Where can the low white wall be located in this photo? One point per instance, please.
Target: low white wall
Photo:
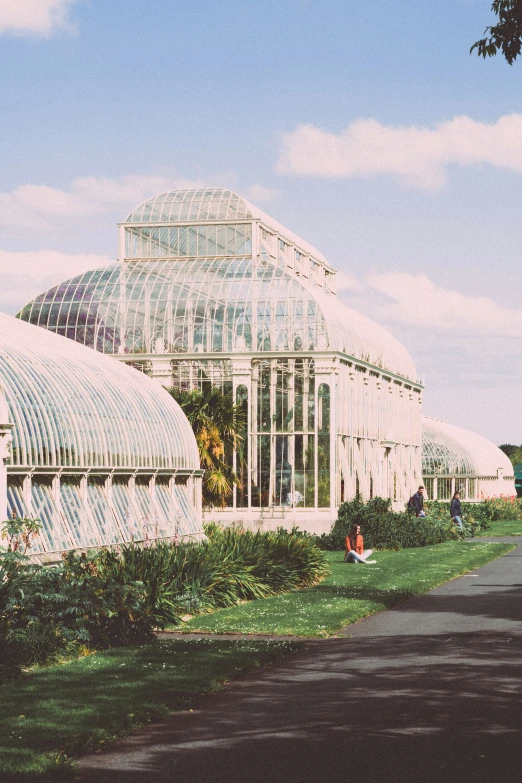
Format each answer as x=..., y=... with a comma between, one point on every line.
x=311, y=521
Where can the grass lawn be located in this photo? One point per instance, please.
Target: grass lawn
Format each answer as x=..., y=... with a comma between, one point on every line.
x=352, y=591
x=503, y=527
x=70, y=708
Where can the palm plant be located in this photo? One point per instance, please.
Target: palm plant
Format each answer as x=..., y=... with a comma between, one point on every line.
x=218, y=425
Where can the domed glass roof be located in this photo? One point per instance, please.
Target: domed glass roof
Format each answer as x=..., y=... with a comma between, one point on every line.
x=210, y=305
x=451, y=450
x=194, y=205
x=73, y=407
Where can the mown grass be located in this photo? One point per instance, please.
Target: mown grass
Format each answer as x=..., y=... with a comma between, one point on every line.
x=351, y=592
x=502, y=527
x=57, y=712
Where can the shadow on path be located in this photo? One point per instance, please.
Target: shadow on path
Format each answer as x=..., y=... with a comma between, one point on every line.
x=402, y=699
x=411, y=708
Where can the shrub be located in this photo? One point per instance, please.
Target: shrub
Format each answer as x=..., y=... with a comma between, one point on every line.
x=384, y=528
x=113, y=598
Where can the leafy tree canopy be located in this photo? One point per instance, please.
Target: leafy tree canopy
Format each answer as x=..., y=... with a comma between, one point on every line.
x=506, y=35
x=513, y=452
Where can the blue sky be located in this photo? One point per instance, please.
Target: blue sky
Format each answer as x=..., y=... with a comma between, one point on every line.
x=338, y=118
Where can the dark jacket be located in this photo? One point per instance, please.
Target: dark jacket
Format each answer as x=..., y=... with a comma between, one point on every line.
x=418, y=499
x=455, y=508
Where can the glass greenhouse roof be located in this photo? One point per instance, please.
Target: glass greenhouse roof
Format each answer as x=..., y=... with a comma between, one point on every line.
x=73, y=407
x=451, y=450
x=197, y=205
x=201, y=205
x=210, y=305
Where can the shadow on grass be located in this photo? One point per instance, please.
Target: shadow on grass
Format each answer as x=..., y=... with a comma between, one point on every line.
x=81, y=705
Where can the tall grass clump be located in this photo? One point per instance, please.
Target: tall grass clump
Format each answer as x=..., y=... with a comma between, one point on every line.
x=231, y=566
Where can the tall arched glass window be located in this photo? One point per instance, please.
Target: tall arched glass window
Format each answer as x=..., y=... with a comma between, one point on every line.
x=242, y=450
x=323, y=446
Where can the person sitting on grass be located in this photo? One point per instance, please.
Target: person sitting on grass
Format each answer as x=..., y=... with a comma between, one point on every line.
x=355, y=552
x=456, y=510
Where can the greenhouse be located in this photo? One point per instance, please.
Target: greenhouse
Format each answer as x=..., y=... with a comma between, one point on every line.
x=95, y=450
x=210, y=290
x=457, y=460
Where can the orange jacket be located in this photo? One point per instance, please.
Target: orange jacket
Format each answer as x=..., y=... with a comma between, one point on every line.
x=355, y=544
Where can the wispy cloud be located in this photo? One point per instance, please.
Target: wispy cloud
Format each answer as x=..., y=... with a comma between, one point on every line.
x=413, y=300
x=40, y=206
x=416, y=156
x=35, y=17
x=26, y=274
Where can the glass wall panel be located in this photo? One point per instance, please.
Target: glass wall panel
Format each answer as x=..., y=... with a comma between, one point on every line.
x=55, y=534
x=129, y=517
x=16, y=506
x=101, y=510
x=283, y=471
x=444, y=488
x=76, y=513
x=304, y=484
x=323, y=447
x=460, y=486
x=242, y=451
x=261, y=473
x=429, y=486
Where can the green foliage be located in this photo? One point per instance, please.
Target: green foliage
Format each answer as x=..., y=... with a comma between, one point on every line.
x=218, y=425
x=506, y=35
x=383, y=528
x=57, y=713
x=116, y=598
x=513, y=452
x=20, y=532
x=351, y=592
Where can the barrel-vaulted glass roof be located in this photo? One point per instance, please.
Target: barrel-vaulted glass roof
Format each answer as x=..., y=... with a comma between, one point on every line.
x=210, y=305
x=450, y=450
x=73, y=407
x=194, y=205
x=202, y=205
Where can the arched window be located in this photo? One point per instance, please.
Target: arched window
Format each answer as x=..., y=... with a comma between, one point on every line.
x=323, y=446
x=242, y=450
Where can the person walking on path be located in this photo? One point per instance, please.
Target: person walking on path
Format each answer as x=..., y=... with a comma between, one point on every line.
x=355, y=552
x=418, y=502
x=456, y=510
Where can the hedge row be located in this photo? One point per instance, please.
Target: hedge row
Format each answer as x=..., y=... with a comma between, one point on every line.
x=384, y=528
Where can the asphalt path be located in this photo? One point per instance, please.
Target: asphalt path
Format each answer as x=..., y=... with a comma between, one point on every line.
x=428, y=691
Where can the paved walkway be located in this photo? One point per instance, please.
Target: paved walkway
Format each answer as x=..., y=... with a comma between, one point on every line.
x=428, y=691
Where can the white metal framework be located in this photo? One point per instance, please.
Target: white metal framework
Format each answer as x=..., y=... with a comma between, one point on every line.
x=209, y=289
x=96, y=450
x=457, y=460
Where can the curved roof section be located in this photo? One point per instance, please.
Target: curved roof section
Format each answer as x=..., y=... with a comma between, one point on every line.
x=210, y=306
x=73, y=407
x=210, y=204
x=447, y=449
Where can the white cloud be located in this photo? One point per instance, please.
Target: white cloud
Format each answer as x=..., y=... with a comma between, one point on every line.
x=39, y=206
x=416, y=156
x=259, y=194
x=34, y=17
x=24, y=275
x=414, y=300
